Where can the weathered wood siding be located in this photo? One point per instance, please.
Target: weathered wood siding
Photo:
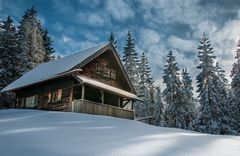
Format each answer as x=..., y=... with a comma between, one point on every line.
x=42, y=91
x=106, y=60
x=89, y=107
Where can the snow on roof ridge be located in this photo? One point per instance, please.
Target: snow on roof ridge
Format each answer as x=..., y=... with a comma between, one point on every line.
x=50, y=69
x=73, y=53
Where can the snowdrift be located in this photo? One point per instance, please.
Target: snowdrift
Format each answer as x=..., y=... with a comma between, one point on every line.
x=38, y=133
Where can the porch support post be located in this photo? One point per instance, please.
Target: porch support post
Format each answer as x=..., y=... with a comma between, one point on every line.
x=71, y=94
x=132, y=104
x=119, y=99
x=16, y=101
x=102, y=96
x=71, y=107
x=83, y=92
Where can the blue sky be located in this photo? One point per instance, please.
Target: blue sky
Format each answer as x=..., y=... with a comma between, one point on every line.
x=157, y=25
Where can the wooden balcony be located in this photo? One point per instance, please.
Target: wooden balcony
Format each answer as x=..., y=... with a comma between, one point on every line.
x=90, y=107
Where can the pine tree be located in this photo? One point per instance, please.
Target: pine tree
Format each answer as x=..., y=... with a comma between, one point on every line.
x=235, y=87
x=48, y=46
x=131, y=62
x=173, y=94
x=112, y=39
x=30, y=40
x=235, y=102
x=212, y=117
x=146, y=87
x=158, y=108
x=190, y=107
x=222, y=84
x=9, y=52
x=1, y=26
x=236, y=65
x=1, y=36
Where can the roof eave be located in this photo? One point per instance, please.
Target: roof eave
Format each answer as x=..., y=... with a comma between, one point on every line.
x=71, y=72
x=82, y=81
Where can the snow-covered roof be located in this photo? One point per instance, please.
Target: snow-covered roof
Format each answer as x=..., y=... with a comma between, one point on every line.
x=52, y=69
x=100, y=85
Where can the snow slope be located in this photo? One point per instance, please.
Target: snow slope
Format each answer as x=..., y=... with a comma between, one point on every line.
x=37, y=133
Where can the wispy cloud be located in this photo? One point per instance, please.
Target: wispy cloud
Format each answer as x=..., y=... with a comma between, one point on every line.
x=95, y=20
x=63, y=7
x=57, y=27
x=175, y=11
x=119, y=9
x=66, y=39
x=91, y=36
x=1, y=6
x=181, y=44
x=91, y=19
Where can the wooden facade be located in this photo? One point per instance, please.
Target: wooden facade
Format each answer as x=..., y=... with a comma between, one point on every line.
x=106, y=69
x=66, y=93
x=46, y=94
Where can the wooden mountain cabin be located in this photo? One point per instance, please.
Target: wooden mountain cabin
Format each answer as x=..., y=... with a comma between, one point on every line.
x=91, y=81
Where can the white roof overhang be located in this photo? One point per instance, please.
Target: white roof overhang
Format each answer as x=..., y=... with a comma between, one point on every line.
x=105, y=87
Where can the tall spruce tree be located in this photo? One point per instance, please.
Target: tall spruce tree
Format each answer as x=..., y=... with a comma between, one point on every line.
x=146, y=87
x=131, y=62
x=48, y=46
x=188, y=99
x=175, y=109
x=158, y=113
x=222, y=85
x=235, y=87
x=212, y=118
x=236, y=65
x=9, y=53
x=30, y=40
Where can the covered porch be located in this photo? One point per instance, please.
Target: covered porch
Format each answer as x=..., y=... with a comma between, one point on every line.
x=93, y=97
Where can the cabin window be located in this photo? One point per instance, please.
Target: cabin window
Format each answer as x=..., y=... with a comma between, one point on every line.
x=31, y=101
x=21, y=102
x=107, y=72
x=66, y=92
x=99, y=68
x=49, y=97
x=57, y=95
x=113, y=74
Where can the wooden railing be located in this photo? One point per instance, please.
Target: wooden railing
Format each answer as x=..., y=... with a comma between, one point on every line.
x=90, y=107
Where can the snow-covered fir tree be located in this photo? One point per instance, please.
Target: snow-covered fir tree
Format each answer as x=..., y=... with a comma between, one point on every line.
x=235, y=89
x=146, y=87
x=188, y=99
x=173, y=95
x=30, y=40
x=226, y=99
x=9, y=53
x=48, y=46
x=131, y=62
x=236, y=64
x=222, y=85
x=213, y=117
x=158, y=113
x=1, y=26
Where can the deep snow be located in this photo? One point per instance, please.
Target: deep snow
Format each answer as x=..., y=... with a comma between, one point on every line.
x=38, y=133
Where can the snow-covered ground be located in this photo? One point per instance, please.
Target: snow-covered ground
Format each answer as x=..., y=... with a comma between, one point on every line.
x=38, y=133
